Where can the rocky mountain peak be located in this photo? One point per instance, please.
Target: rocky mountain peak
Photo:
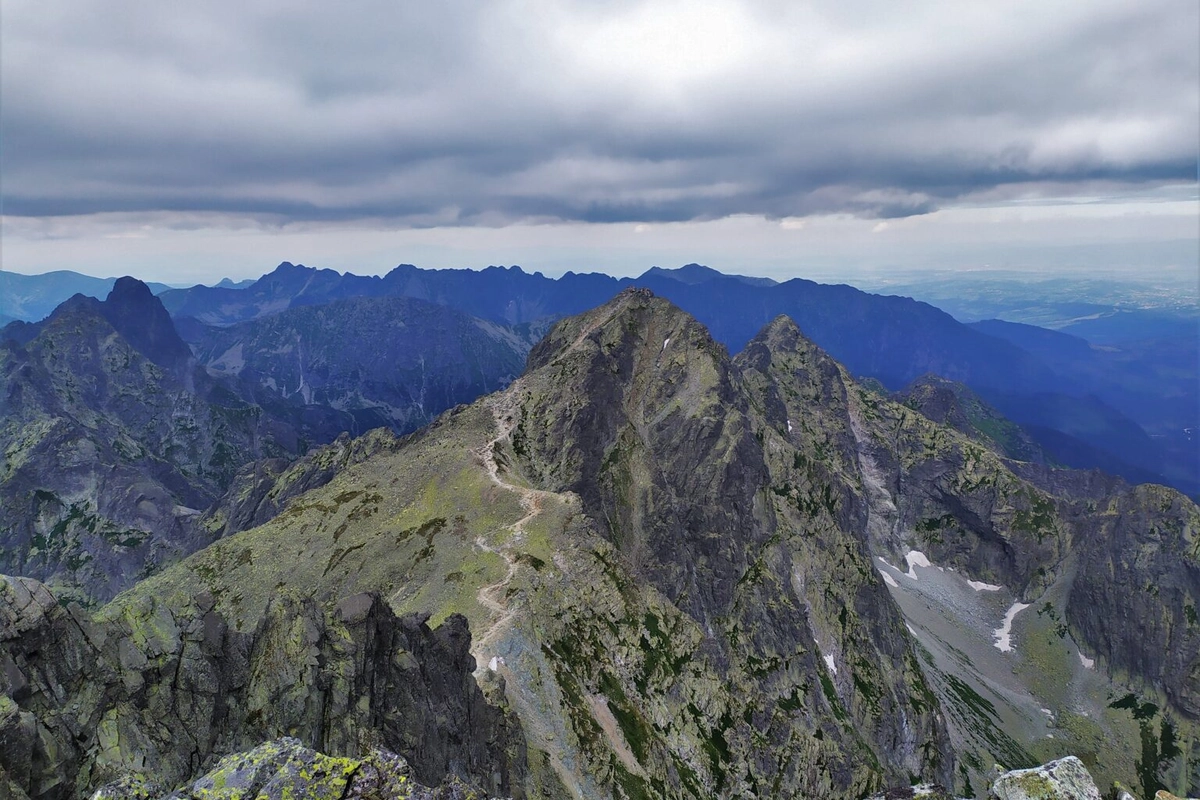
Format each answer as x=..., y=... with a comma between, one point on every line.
x=812, y=378
x=782, y=325
x=129, y=290
x=636, y=321
x=782, y=338
x=134, y=312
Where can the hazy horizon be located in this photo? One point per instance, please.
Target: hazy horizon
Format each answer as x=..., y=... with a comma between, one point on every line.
x=878, y=280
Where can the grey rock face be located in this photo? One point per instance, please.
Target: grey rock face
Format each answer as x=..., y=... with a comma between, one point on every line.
x=1141, y=563
x=164, y=687
x=651, y=423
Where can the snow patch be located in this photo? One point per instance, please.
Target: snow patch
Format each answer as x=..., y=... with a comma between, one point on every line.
x=980, y=586
x=1003, y=634
x=1047, y=712
x=666, y=342
x=829, y=663
x=789, y=426
x=889, y=580
x=495, y=664
x=1088, y=663
x=916, y=559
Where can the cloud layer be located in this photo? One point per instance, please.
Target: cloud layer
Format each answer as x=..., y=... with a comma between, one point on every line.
x=451, y=113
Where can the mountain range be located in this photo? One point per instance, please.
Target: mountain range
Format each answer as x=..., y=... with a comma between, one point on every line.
x=1130, y=408
x=1126, y=402
x=643, y=568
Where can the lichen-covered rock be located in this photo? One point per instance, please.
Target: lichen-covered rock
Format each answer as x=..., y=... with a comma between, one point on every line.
x=1064, y=779
x=284, y=769
x=129, y=787
x=160, y=686
x=276, y=770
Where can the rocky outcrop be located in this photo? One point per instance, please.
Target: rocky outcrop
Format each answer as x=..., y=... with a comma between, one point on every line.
x=163, y=686
x=637, y=410
x=1141, y=561
x=1065, y=779
x=284, y=768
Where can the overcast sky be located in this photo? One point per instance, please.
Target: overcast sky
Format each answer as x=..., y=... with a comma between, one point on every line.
x=182, y=142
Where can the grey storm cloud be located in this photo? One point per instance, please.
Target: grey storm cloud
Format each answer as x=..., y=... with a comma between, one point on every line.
x=488, y=113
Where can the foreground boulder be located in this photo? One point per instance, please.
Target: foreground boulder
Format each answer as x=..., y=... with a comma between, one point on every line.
x=284, y=768
x=1064, y=779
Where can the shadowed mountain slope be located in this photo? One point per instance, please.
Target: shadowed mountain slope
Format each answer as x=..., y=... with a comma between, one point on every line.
x=366, y=362
x=954, y=404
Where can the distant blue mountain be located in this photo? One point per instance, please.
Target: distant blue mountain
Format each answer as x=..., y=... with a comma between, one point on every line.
x=33, y=297
x=229, y=283
x=894, y=339
x=693, y=274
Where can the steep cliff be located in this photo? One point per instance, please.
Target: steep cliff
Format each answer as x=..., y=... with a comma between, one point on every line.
x=968, y=541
